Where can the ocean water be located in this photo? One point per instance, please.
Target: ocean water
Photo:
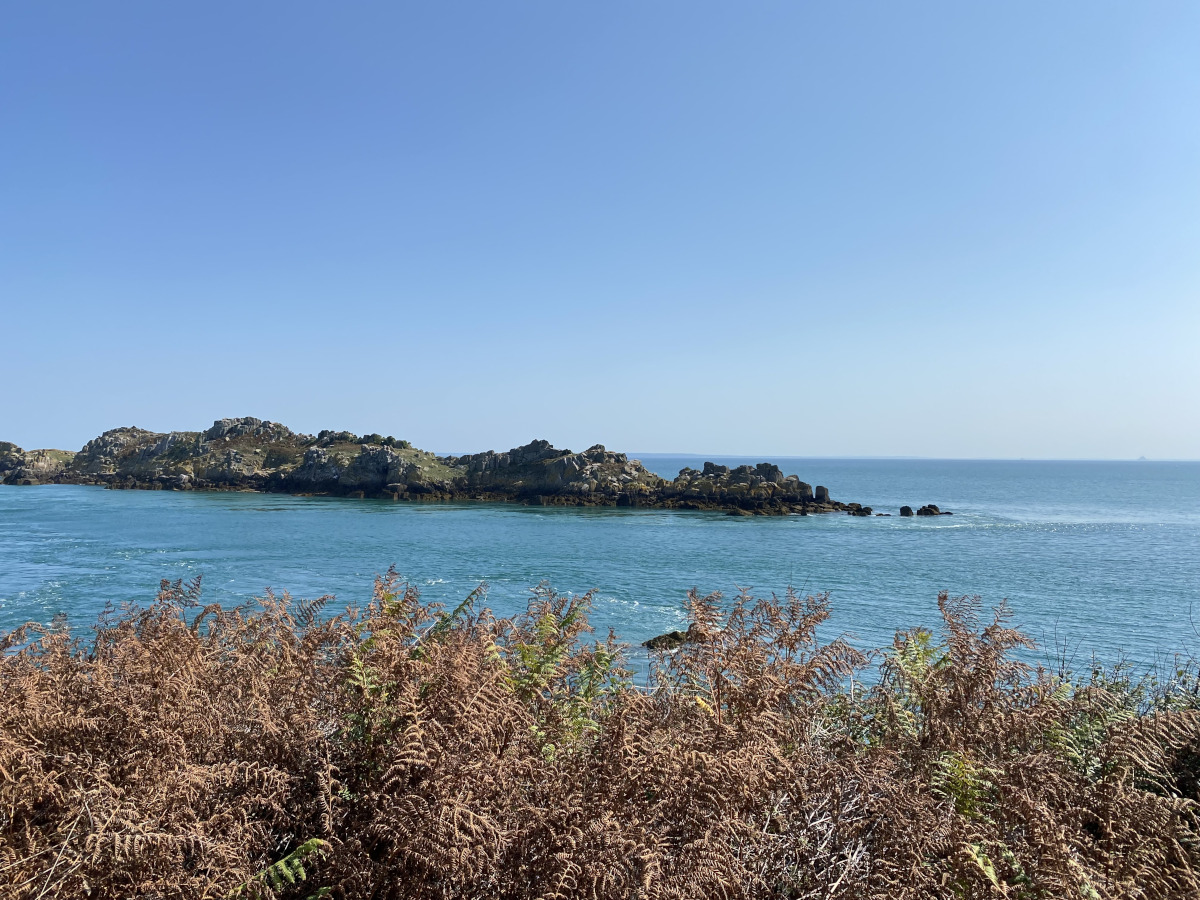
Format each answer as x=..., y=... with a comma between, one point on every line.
x=1092, y=557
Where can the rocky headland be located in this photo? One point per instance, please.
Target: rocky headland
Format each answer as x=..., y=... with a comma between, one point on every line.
x=249, y=454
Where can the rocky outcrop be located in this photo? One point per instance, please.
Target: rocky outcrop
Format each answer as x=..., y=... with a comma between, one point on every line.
x=930, y=509
x=673, y=640
x=226, y=429
x=747, y=490
x=539, y=470
x=19, y=466
x=253, y=454
x=669, y=641
x=12, y=458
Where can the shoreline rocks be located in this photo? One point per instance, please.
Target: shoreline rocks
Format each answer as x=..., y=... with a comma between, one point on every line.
x=249, y=454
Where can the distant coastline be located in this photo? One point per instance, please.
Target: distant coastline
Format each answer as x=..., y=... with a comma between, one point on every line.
x=249, y=454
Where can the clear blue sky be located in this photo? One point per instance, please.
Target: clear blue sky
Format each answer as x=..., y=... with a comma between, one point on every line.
x=794, y=228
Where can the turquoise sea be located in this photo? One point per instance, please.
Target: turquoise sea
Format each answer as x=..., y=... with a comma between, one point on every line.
x=1099, y=557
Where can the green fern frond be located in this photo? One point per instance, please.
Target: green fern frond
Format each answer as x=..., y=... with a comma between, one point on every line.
x=286, y=871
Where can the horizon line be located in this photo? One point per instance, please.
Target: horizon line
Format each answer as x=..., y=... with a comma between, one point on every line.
x=921, y=458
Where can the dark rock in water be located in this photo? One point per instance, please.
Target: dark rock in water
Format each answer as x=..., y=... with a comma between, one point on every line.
x=822, y=494
x=673, y=640
x=906, y=511
x=931, y=509
x=668, y=641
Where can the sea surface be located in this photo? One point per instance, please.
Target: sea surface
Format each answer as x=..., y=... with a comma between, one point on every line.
x=1093, y=557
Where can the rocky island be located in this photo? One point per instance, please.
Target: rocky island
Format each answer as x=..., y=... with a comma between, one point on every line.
x=249, y=454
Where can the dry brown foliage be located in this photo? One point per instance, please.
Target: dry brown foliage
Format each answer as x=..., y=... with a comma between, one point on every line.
x=404, y=751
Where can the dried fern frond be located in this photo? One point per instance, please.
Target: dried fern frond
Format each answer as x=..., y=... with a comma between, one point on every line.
x=403, y=750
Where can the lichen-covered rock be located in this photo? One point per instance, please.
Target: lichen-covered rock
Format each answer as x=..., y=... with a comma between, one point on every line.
x=12, y=458
x=46, y=465
x=537, y=469
x=245, y=426
x=19, y=466
x=762, y=488
x=103, y=455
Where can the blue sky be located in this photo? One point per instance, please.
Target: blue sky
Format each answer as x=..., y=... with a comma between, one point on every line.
x=939, y=229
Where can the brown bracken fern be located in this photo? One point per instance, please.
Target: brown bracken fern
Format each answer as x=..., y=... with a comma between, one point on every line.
x=403, y=750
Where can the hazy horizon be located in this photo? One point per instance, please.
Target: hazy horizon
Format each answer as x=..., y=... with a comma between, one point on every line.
x=929, y=231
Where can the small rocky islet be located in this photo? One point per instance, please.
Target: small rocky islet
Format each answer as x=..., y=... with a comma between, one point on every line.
x=249, y=454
